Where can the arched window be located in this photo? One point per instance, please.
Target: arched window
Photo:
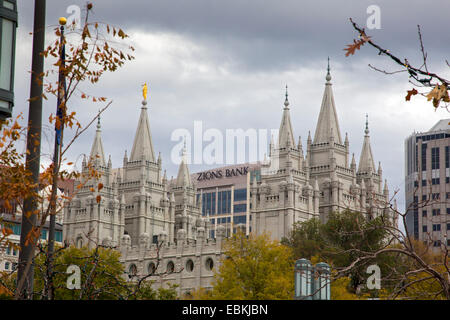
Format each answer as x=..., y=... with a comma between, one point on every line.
x=189, y=265
x=170, y=267
x=133, y=270
x=209, y=264
x=151, y=268
x=7, y=266
x=79, y=242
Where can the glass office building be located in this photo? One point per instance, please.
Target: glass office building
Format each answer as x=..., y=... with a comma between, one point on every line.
x=225, y=196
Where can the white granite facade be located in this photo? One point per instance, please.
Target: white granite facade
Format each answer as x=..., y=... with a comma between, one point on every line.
x=139, y=207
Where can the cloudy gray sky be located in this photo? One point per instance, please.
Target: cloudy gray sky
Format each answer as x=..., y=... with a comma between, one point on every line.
x=226, y=63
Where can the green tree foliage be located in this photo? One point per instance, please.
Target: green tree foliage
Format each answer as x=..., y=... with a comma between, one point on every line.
x=102, y=277
x=254, y=268
x=340, y=241
x=306, y=240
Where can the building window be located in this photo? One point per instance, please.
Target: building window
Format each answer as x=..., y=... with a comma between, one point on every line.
x=416, y=223
x=434, y=158
x=151, y=268
x=448, y=210
x=448, y=226
x=435, y=181
x=170, y=267
x=437, y=243
x=224, y=202
x=240, y=207
x=436, y=212
x=425, y=228
x=58, y=236
x=132, y=270
x=435, y=196
x=240, y=195
x=209, y=264
x=79, y=242
x=447, y=157
x=424, y=198
x=189, y=265
x=6, y=265
x=424, y=213
x=424, y=183
x=424, y=157
x=436, y=227
x=209, y=203
x=224, y=220
x=240, y=219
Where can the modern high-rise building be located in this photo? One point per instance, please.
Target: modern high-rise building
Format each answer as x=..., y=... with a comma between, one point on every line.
x=427, y=184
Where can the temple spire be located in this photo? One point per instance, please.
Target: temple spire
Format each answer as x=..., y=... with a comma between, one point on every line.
x=366, y=162
x=143, y=145
x=367, y=125
x=286, y=101
x=328, y=77
x=328, y=119
x=286, y=133
x=97, y=154
x=184, y=177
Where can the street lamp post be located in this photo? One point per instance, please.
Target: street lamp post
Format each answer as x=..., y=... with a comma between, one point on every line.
x=8, y=25
x=312, y=282
x=321, y=282
x=303, y=272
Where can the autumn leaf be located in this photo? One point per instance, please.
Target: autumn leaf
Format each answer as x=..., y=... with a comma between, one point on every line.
x=356, y=45
x=412, y=92
x=438, y=93
x=121, y=34
x=98, y=198
x=100, y=186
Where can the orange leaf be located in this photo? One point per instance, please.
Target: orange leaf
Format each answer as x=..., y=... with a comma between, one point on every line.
x=412, y=92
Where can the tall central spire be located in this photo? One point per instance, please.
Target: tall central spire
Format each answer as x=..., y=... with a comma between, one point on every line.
x=286, y=134
x=328, y=120
x=143, y=145
x=97, y=153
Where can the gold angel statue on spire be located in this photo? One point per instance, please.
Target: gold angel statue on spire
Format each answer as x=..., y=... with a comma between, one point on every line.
x=144, y=91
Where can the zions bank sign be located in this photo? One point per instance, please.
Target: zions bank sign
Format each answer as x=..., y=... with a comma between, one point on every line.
x=222, y=173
